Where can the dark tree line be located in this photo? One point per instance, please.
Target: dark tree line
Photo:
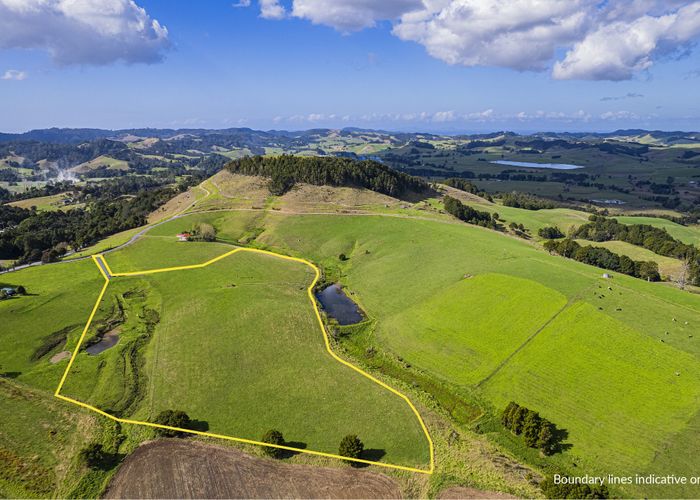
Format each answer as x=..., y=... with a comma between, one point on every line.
x=467, y=186
x=468, y=214
x=526, y=201
x=536, y=431
x=286, y=170
x=604, y=258
x=652, y=238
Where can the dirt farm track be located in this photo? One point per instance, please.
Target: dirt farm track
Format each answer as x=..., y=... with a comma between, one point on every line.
x=175, y=468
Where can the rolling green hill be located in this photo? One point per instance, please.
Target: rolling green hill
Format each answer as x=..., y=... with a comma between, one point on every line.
x=456, y=314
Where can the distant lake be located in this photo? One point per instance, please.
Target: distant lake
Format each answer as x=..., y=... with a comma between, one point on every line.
x=339, y=306
x=527, y=164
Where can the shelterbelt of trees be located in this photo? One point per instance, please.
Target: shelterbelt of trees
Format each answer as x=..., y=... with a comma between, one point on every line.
x=470, y=215
x=652, y=238
x=604, y=258
x=29, y=236
x=286, y=170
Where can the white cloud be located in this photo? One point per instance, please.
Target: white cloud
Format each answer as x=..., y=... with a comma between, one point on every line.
x=14, y=74
x=242, y=3
x=603, y=40
x=618, y=50
x=519, y=34
x=444, y=116
x=83, y=31
x=272, y=9
x=619, y=115
x=352, y=15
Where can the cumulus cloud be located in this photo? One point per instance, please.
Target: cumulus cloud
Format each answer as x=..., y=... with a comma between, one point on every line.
x=83, y=31
x=272, y=9
x=14, y=74
x=602, y=40
x=353, y=15
x=618, y=50
x=519, y=34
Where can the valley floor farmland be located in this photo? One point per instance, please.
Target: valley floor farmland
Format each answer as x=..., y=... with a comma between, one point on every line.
x=237, y=346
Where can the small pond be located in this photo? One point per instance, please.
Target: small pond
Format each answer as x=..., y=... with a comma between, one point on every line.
x=109, y=340
x=527, y=164
x=339, y=306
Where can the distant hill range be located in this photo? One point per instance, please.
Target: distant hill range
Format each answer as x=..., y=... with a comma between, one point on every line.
x=79, y=135
x=638, y=168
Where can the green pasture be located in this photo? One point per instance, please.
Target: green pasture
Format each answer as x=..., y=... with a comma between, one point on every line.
x=237, y=346
x=106, y=244
x=486, y=313
x=470, y=327
x=153, y=252
x=60, y=298
x=619, y=395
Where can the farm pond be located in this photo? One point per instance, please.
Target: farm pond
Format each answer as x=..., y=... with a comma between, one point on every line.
x=528, y=164
x=108, y=340
x=339, y=306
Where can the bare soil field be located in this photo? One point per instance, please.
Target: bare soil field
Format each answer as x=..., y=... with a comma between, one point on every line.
x=461, y=492
x=176, y=468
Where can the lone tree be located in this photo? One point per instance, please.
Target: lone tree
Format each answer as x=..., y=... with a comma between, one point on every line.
x=273, y=437
x=351, y=446
x=172, y=418
x=21, y=290
x=93, y=455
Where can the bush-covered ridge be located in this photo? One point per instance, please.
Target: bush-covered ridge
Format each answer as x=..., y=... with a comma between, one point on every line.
x=286, y=170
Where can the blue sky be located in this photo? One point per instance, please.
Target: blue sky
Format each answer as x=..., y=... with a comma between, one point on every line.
x=308, y=65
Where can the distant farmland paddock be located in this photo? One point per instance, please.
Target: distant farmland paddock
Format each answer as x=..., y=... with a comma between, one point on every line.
x=237, y=346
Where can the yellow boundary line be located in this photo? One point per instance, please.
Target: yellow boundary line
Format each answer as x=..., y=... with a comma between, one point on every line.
x=100, y=261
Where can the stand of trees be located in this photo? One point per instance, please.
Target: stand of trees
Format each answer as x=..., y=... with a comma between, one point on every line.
x=467, y=214
x=286, y=170
x=537, y=432
x=46, y=235
x=462, y=185
x=604, y=258
x=202, y=231
x=526, y=201
x=550, y=233
x=652, y=238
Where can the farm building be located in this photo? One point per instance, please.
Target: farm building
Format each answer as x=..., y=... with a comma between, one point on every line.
x=183, y=236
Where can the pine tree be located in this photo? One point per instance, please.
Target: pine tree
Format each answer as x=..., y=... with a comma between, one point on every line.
x=531, y=428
